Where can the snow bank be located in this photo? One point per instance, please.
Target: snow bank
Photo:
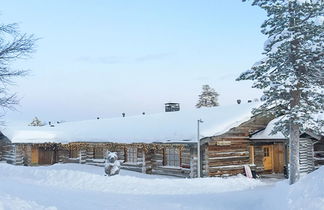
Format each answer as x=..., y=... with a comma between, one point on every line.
x=308, y=193
x=8, y=202
x=162, y=127
x=123, y=184
x=76, y=186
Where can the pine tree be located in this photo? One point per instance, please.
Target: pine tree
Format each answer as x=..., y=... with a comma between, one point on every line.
x=291, y=74
x=36, y=122
x=208, y=97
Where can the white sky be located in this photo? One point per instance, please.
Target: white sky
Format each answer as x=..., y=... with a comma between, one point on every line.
x=102, y=58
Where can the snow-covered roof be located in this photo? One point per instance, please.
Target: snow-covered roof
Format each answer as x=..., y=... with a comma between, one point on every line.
x=266, y=133
x=162, y=127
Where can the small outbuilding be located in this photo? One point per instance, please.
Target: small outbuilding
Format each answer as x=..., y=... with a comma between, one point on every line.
x=271, y=150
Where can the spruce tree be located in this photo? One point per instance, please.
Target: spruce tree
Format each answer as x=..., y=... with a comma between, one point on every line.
x=208, y=97
x=291, y=73
x=36, y=122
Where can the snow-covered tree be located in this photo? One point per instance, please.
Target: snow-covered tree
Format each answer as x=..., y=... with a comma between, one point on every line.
x=291, y=74
x=208, y=97
x=36, y=122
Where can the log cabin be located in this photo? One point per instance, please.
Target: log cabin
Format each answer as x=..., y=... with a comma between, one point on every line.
x=164, y=143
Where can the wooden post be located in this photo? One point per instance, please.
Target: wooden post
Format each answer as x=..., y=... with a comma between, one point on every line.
x=198, y=148
x=143, y=162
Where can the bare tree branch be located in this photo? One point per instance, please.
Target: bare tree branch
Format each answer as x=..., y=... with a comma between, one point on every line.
x=14, y=45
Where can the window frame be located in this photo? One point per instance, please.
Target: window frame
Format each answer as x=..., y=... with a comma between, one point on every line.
x=131, y=155
x=172, y=157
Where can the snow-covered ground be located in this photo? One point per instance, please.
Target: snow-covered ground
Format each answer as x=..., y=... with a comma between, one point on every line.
x=75, y=186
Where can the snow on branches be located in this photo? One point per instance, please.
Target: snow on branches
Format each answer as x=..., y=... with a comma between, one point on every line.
x=291, y=74
x=208, y=97
x=293, y=62
x=36, y=122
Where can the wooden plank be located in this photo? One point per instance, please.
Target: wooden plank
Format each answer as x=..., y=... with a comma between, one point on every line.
x=225, y=172
x=252, y=154
x=214, y=154
x=216, y=163
x=276, y=164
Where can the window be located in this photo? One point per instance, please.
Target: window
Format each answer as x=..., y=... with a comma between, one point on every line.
x=266, y=152
x=172, y=157
x=185, y=159
x=98, y=153
x=131, y=155
x=74, y=153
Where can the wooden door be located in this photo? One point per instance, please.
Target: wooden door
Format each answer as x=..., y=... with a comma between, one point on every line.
x=34, y=155
x=267, y=157
x=46, y=157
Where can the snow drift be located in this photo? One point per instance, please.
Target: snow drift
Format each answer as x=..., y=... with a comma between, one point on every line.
x=75, y=186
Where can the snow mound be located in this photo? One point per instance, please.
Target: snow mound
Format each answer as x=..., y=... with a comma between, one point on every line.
x=8, y=202
x=123, y=184
x=76, y=186
x=308, y=193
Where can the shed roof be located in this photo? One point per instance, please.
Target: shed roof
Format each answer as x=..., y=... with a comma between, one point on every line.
x=266, y=133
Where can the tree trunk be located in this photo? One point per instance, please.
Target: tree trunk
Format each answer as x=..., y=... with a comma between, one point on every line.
x=294, y=153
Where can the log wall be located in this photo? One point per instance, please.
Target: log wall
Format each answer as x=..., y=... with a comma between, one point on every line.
x=306, y=155
x=227, y=154
x=13, y=155
x=188, y=164
x=319, y=153
x=149, y=160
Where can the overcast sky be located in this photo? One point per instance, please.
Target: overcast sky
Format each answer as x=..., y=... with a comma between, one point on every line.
x=104, y=57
